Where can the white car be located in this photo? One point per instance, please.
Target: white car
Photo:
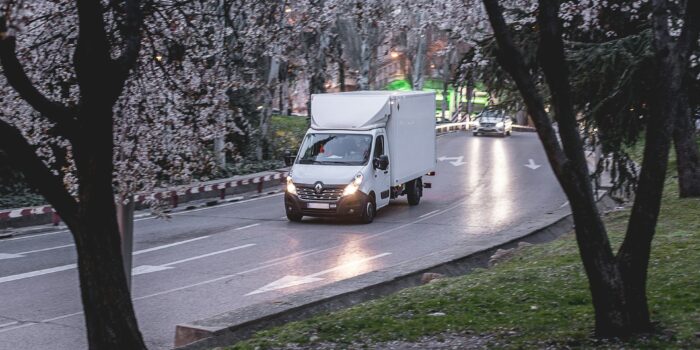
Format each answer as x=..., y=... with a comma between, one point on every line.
x=492, y=122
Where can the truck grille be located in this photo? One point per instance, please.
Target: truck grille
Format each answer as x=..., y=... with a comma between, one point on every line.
x=329, y=193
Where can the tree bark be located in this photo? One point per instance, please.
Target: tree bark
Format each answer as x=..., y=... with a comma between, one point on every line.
x=109, y=315
x=616, y=311
x=687, y=154
x=671, y=61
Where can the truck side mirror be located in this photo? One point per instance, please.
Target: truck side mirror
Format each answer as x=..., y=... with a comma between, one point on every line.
x=381, y=162
x=288, y=157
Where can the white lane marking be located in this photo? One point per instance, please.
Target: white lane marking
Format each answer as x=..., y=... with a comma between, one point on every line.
x=34, y=236
x=565, y=204
x=531, y=164
x=153, y=217
x=36, y=273
x=456, y=161
x=209, y=254
x=143, y=269
x=5, y=256
x=167, y=245
x=47, y=249
x=432, y=212
x=245, y=227
x=72, y=266
x=269, y=263
x=283, y=260
x=8, y=324
x=289, y=281
x=262, y=267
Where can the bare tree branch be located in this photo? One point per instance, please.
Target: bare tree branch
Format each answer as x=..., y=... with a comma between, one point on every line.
x=512, y=61
x=132, y=38
x=691, y=29
x=37, y=173
x=18, y=79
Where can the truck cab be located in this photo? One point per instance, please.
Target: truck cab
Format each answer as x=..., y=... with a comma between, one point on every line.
x=351, y=164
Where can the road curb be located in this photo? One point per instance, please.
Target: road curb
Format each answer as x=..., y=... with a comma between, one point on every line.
x=228, y=328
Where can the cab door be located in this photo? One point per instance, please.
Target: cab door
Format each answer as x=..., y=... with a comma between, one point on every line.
x=382, y=180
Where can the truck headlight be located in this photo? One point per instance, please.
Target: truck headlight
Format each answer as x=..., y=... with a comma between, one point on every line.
x=499, y=124
x=291, y=189
x=354, y=185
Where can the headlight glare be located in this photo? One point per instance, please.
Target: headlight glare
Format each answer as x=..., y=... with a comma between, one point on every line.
x=350, y=189
x=499, y=124
x=291, y=189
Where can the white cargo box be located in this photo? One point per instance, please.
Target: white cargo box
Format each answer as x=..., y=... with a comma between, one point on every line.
x=408, y=116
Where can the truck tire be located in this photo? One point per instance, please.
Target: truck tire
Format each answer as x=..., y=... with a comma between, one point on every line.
x=294, y=217
x=369, y=211
x=414, y=190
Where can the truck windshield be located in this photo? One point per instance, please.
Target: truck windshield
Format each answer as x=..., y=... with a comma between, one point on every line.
x=335, y=149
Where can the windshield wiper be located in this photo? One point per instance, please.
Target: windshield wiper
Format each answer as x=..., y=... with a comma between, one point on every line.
x=309, y=161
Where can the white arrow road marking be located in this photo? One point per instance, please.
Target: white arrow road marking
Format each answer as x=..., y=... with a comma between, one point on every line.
x=36, y=273
x=72, y=266
x=456, y=161
x=4, y=256
x=143, y=269
x=290, y=281
x=531, y=164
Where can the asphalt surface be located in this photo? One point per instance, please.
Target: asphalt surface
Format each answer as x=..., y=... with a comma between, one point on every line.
x=203, y=262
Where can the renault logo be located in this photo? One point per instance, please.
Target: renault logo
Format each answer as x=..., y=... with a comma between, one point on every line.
x=318, y=187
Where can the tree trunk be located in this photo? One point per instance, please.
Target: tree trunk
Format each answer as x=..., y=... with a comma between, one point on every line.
x=109, y=313
x=687, y=154
x=617, y=285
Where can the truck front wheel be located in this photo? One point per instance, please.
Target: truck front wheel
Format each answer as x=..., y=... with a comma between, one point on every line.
x=294, y=217
x=414, y=190
x=369, y=211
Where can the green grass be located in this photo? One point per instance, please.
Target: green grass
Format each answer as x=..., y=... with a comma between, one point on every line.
x=538, y=298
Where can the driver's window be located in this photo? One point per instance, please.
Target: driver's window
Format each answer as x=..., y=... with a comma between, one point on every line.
x=379, y=146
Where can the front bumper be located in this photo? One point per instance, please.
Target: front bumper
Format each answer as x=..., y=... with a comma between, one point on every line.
x=494, y=130
x=345, y=206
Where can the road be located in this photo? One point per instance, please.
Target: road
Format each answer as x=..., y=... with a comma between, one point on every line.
x=207, y=261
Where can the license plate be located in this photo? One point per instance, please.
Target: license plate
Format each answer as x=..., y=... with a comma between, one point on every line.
x=318, y=206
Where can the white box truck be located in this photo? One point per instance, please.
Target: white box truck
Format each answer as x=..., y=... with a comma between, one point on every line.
x=363, y=149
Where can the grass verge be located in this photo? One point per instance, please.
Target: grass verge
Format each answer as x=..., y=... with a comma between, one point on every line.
x=538, y=298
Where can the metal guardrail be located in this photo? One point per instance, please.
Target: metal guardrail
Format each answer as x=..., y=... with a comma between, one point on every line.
x=172, y=194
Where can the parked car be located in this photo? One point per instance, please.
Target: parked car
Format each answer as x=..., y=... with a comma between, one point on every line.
x=492, y=122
